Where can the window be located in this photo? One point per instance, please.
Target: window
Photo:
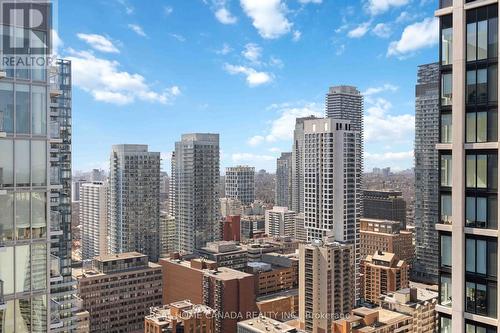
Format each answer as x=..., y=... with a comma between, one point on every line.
x=481, y=256
x=446, y=173
x=481, y=171
x=38, y=110
x=444, y=325
x=480, y=298
x=478, y=328
x=471, y=87
x=23, y=274
x=23, y=215
x=39, y=214
x=6, y=163
x=482, y=33
x=446, y=129
x=446, y=43
x=6, y=217
x=446, y=89
x=6, y=108
x=39, y=266
x=7, y=271
x=481, y=211
x=22, y=153
x=446, y=208
x=38, y=162
x=446, y=251
x=445, y=290
x=493, y=83
x=22, y=109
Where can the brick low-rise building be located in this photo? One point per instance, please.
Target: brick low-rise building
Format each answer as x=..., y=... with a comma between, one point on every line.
x=386, y=236
x=180, y=317
x=229, y=292
x=383, y=273
x=365, y=320
x=119, y=290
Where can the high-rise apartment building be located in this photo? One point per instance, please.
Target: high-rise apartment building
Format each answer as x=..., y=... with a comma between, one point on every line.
x=280, y=221
x=134, y=200
x=468, y=184
x=346, y=103
x=240, y=184
x=284, y=181
x=195, y=175
x=427, y=122
x=298, y=165
x=332, y=182
x=385, y=205
x=35, y=192
x=93, y=210
x=326, y=283
x=118, y=291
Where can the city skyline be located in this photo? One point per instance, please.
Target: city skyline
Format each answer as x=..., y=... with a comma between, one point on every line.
x=345, y=43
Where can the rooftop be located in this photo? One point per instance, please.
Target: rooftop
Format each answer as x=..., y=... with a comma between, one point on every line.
x=265, y=324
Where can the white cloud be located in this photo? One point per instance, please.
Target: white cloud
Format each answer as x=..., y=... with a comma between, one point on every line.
x=274, y=150
x=256, y=140
x=104, y=80
x=340, y=49
x=398, y=160
x=282, y=127
x=276, y=62
x=382, y=30
x=137, y=29
x=359, y=31
x=254, y=78
x=180, y=38
x=252, y=52
x=268, y=16
x=310, y=1
x=225, y=49
x=414, y=37
x=376, y=90
x=128, y=8
x=248, y=157
x=224, y=16
x=168, y=10
x=376, y=7
x=98, y=42
x=380, y=126
x=404, y=155
x=296, y=35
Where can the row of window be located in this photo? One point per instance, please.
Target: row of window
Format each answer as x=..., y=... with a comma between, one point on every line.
x=24, y=216
x=480, y=210
x=482, y=33
x=481, y=170
x=23, y=111
x=24, y=161
x=445, y=326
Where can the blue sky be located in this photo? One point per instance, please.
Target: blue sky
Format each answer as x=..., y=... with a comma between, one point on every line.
x=148, y=71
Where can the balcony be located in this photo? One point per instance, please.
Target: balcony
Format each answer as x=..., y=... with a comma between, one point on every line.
x=55, y=318
x=55, y=269
x=55, y=223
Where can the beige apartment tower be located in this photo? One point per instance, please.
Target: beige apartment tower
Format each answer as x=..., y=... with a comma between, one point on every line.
x=326, y=283
x=468, y=152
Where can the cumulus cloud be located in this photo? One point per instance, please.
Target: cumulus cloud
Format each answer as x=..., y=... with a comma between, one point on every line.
x=282, y=127
x=252, y=52
x=268, y=17
x=104, y=80
x=382, y=30
x=296, y=35
x=382, y=126
x=396, y=160
x=376, y=90
x=224, y=16
x=225, y=49
x=359, y=31
x=254, y=78
x=310, y=1
x=137, y=29
x=98, y=42
x=248, y=157
x=376, y=7
x=415, y=37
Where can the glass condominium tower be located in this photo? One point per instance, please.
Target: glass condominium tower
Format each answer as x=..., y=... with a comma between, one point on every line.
x=468, y=161
x=36, y=288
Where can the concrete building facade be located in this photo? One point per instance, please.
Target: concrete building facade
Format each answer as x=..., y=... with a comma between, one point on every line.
x=119, y=290
x=326, y=283
x=134, y=200
x=284, y=181
x=385, y=205
x=240, y=184
x=195, y=175
x=280, y=221
x=93, y=212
